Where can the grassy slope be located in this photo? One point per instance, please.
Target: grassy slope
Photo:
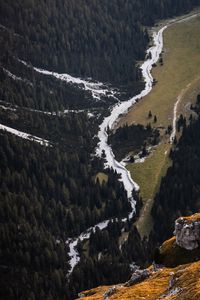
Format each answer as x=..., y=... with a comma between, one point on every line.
x=157, y=286
x=179, y=74
x=181, y=67
x=178, y=263
x=172, y=255
x=149, y=175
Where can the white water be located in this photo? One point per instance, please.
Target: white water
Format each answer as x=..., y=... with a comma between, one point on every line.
x=122, y=108
x=109, y=121
x=53, y=113
x=98, y=89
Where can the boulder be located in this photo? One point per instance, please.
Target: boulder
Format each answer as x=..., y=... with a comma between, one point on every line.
x=187, y=232
x=138, y=276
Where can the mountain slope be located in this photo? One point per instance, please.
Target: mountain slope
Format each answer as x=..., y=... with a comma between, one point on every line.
x=181, y=282
x=186, y=287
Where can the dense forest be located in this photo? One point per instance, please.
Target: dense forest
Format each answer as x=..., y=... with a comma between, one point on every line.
x=24, y=87
x=179, y=191
x=48, y=194
x=46, y=197
x=97, y=39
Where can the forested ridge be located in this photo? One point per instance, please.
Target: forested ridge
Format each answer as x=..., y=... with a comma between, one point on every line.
x=97, y=39
x=48, y=194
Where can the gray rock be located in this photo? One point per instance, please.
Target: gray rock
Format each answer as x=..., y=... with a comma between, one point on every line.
x=187, y=233
x=137, y=276
x=80, y=295
x=109, y=292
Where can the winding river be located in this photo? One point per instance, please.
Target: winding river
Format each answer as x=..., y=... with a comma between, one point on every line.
x=110, y=162
x=153, y=53
x=98, y=89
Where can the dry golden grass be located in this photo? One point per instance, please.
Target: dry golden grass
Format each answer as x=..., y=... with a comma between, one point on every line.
x=187, y=279
x=185, y=274
x=172, y=255
x=192, y=218
x=149, y=289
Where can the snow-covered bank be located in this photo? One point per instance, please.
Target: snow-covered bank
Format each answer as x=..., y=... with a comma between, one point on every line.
x=24, y=135
x=98, y=89
x=7, y=108
x=138, y=158
x=109, y=122
x=73, y=253
x=122, y=108
x=153, y=54
x=103, y=146
x=14, y=107
x=74, y=256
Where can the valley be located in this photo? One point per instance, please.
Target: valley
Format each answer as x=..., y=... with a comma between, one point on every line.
x=177, y=79
x=81, y=202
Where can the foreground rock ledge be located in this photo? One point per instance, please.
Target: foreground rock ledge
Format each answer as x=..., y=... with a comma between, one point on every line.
x=179, y=282
x=187, y=232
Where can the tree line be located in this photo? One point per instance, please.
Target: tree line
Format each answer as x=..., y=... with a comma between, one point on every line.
x=98, y=39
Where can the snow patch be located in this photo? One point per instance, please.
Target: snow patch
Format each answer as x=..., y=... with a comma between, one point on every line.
x=24, y=135
x=7, y=108
x=73, y=253
x=14, y=77
x=109, y=122
x=53, y=113
x=121, y=108
x=98, y=89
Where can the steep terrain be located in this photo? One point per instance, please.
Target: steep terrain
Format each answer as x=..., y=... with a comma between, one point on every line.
x=174, y=275
x=50, y=110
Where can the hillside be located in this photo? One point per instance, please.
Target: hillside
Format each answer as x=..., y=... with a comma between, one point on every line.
x=180, y=280
x=180, y=91
x=187, y=286
x=66, y=216
x=89, y=39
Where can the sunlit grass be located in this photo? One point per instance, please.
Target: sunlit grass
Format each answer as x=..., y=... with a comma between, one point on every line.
x=181, y=68
x=157, y=286
x=148, y=175
x=180, y=74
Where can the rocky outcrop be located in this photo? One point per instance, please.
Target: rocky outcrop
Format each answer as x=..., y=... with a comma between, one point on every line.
x=158, y=282
x=109, y=292
x=187, y=232
x=138, y=276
